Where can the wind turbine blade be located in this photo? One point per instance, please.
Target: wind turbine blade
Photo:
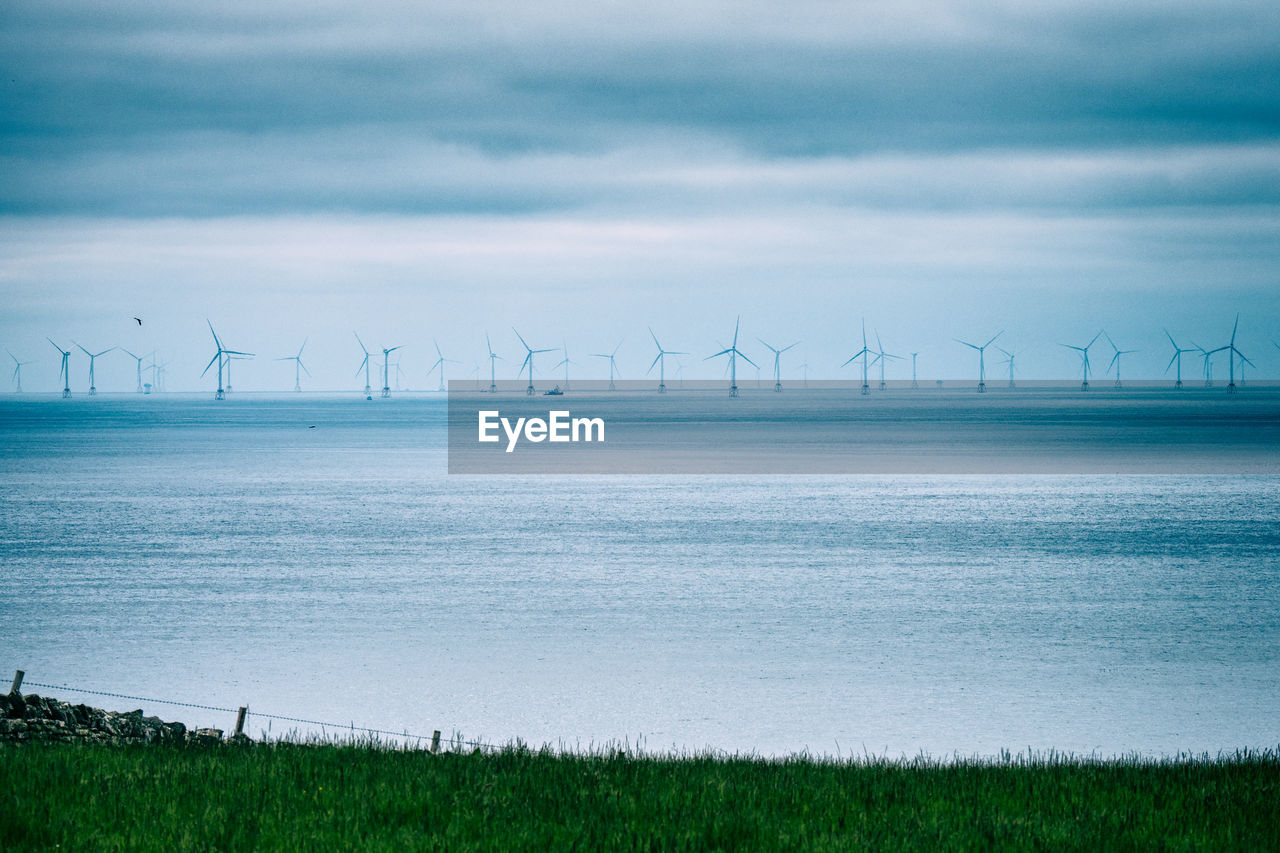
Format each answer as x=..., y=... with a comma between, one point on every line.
x=1234, y=329
x=362, y=346
x=1170, y=337
x=717, y=355
x=615, y=349
x=396, y=347
x=736, y=323
x=993, y=337
x=966, y=343
x=526, y=346
x=126, y=352
x=83, y=350
x=1114, y=359
x=1171, y=361
x=784, y=349
x=215, y=334
x=55, y=346
x=744, y=358
x=656, y=359
x=655, y=339
x=210, y=364
x=1094, y=341
x=303, y=366
x=304, y=345
x=766, y=343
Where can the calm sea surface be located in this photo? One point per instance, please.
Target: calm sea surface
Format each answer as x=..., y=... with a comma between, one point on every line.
x=229, y=553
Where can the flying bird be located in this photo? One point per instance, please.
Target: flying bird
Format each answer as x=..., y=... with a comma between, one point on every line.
x=139, y=319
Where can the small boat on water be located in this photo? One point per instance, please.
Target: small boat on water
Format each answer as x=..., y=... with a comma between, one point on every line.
x=554, y=392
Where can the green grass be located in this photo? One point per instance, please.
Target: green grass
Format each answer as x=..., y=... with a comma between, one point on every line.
x=328, y=797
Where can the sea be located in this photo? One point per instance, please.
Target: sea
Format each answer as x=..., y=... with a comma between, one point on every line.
x=311, y=558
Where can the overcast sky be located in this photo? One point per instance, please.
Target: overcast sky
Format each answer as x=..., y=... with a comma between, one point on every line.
x=420, y=171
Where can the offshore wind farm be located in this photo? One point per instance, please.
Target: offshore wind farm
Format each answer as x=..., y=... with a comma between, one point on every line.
x=955, y=368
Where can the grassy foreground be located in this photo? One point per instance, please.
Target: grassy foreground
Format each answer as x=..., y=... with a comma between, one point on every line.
x=289, y=796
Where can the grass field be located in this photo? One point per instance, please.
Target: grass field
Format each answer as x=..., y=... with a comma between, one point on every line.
x=329, y=797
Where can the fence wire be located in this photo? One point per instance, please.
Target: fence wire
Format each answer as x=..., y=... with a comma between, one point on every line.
x=351, y=727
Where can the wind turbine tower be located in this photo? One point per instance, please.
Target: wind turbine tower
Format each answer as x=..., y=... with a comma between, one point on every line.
x=139, y=359
x=881, y=357
x=1177, y=358
x=777, y=362
x=1009, y=357
x=93, y=356
x=612, y=362
x=733, y=352
x=298, y=366
x=863, y=353
x=565, y=362
x=982, y=367
x=368, y=389
x=440, y=362
x=1232, y=352
x=17, y=370
x=1084, y=359
x=914, y=384
x=528, y=359
x=64, y=373
x=221, y=392
x=661, y=361
x=1115, y=359
x=493, y=384
x=386, y=369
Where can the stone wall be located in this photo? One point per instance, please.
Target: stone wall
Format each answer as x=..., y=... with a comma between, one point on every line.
x=34, y=717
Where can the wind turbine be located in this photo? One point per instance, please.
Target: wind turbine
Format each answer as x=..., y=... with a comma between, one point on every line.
x=777, y=362
x=862, y=353
x=441, y=361
x=982, y=367
x=493, y=385
x=297, y=365
x=364, y=365
x=221, y=393
x=64, y=373
x=565, y=362
x=386, y=369
x=1009, y=357
x=612, y=363
x=235, y=356
x=17, y=370
x=1084, y=358
x=1115, y=359
x=661, y=361
x=528, y=359
x=1177, y=358
x=139, y=360
x=881, y=357
x=1232, y=352
x=733, y=352
x=1207, y=364
x=93, y=356
x=157, y=375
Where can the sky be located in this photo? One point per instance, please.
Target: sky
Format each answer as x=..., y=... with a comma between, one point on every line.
x=427, y=172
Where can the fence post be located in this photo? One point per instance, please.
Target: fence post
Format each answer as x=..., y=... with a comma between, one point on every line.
x=244, y=709
x=17, y=681
x=435, y=741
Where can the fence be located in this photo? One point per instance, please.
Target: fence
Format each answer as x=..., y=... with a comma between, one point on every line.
x=243, y=713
